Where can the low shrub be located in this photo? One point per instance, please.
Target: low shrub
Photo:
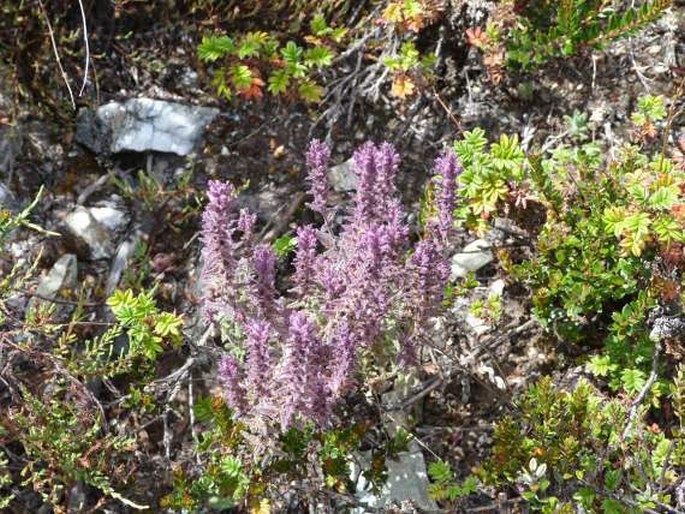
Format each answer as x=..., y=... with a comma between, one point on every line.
x=609, y=246
x=524, y=35
x=567, y=450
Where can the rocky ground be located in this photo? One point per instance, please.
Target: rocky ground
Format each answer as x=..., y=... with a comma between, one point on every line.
x=117, y=226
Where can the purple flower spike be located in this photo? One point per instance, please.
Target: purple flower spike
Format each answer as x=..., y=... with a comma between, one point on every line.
x=447, y=169
x=376, y=168
x=264, y=261
x=230, y=378
x=346, y=360
x=431, y=272
x=217, y=253
x=388, y=162
x=258, y=359
x=246, y=223
x=318, y=157
x=305, y=259
x=365, y=169
x=301, y=373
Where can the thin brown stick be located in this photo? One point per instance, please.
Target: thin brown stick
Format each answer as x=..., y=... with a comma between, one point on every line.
x=449, y=112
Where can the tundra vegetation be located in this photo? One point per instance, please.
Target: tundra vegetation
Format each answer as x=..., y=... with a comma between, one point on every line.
x=443, y=231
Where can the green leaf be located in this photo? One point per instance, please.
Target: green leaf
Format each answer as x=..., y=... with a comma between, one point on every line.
x=285, y=245
x=507, y=155
x=204, y=409
x=635, y=233
x=318, y=57
x=668, y=230
x=278, y=82
x=241, y=76
x=440, y=471
x=473, y=142
x=318, y=26
x=613, y=220
x=610, y=506
x=601, y=365
x=664, y=198
x=633, y=380
x=292, y=54
x=339, y=34
x=269, y=49
x=251, y=44
x=653, y=107
x=392, y=62
x=640, y=194
x=219, y=82
x=310, y=91
x=168, y=325
x=213, y=48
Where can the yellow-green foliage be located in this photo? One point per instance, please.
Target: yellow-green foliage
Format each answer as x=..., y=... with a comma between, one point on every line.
x=579, y=447
x=526, y=35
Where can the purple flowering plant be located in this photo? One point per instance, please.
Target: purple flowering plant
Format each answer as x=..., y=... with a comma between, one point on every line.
x=360, y=290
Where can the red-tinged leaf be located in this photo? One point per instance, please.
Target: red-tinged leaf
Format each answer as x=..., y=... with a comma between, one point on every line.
x=254, y=91
x=477, y=37
x=402, y=86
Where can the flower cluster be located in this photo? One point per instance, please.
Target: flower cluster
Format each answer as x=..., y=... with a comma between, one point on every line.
x=362, y=289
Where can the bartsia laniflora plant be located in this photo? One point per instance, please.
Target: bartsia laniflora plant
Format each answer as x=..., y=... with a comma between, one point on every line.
x=359, y=290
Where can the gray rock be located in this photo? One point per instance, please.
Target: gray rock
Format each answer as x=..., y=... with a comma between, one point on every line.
x=62, y=275
x=407, y=477
x=478, y=325
x=7, y=199
x=497, y=287
x=474, y=256
x=504, y=230
x=461, y=309
x=83, y=225
x=77, y=498
x=342, y=177
x=110, y=214
x=407, y=481
x=10, y=147
x=143, y=124
x=125, y=251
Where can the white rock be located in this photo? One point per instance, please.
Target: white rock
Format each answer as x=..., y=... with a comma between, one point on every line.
x=125, y=251
x=144, y=124
x=82, y=224
x=342, y=177
x=473, y=257
x=109, y=216
x=407, y=480
x=497, y=287
x=478, y=325
x=62, y=275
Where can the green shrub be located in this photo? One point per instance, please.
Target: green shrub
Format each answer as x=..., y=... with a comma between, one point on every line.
x=59, y=432
x=522, y=36
x=607, y=224
x=250, y=64
x=232, y=474
x=254, y=60
x=579, y=448
x=60, y=426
